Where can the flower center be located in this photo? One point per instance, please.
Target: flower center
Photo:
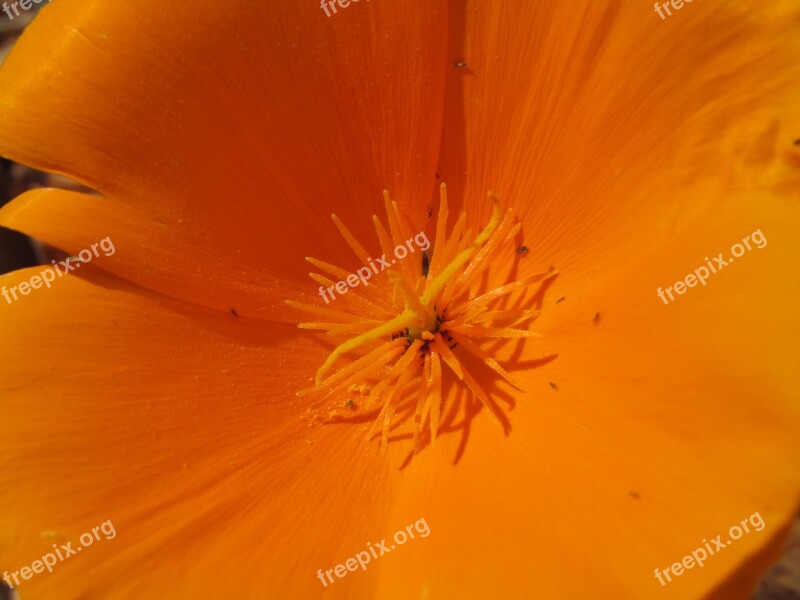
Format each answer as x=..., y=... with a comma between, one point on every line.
x=401, y=327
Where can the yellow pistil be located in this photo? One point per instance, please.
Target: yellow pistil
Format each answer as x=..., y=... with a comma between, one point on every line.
x=438, y=318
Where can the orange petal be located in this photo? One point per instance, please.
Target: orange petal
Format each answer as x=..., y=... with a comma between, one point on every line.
x=609, y=128
x=229, y=135
x=179, y=425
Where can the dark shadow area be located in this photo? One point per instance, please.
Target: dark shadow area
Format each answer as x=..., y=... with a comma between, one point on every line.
x=16, y=250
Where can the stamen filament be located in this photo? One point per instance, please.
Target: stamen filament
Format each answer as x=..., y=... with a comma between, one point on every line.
x=404, y=320
x=418, y=316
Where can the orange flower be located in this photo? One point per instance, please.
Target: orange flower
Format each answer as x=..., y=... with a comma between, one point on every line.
x=158, y=388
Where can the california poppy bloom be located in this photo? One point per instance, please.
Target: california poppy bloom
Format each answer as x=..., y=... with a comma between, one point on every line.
x=519, y=390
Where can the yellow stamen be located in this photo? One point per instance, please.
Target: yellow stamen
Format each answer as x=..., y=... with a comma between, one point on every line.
x=409, y=323
x=404, y=320
x=450, y=270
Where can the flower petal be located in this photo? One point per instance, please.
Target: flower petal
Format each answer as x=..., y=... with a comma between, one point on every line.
x=609, y=128
x=668, y=425
x=227, y=125
x=181, y=426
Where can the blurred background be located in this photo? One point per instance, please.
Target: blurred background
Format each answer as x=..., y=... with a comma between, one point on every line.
x=17, y=251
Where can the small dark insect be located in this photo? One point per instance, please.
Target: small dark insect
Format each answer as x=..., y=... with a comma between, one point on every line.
x=522, y=250
x=560, y=300
x=596, y=319
x=460, y=64
x=437, y=175
x=403, y=333
x=554, y=386
x=234, y=313
x=634, y=495
x=429, y=212
x=349, y=404
x=426, y=264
